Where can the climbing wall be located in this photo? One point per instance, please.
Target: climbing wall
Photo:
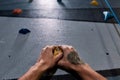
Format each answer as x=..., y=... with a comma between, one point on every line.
x=71, y=22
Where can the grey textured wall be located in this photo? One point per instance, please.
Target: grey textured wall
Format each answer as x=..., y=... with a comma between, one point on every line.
x=92, y=41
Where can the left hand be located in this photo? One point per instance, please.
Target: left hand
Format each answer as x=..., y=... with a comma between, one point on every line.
x=47, y=57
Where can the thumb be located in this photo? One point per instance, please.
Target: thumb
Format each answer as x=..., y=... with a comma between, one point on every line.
x=58, y=56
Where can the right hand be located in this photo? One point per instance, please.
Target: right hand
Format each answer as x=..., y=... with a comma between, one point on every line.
x=70, y=59
x=47, y=58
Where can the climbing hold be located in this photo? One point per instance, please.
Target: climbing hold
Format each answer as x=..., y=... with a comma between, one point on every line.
x=30, y=1
x=107, y=53
x=17, y=11
x=9, y=56
x=57, y=50
x=24, y=31
x=94, y=3
x=107, y=15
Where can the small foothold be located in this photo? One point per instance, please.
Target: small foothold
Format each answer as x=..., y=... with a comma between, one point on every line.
x=17, y=11
x=9, y=56
x=24, y=31
x=92, y=29
x=107, y=15
x=30, y=1
x=107, y=53
x=94, y=3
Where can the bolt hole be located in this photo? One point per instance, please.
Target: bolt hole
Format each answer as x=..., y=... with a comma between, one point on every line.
x=107, y=53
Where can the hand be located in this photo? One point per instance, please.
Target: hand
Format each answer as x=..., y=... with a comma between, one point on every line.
x=47, y=57
x=46, y=61
x=70, y=59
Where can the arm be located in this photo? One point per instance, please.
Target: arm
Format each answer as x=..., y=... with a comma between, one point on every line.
x=46, y=61
x=35, y=72
x=87, y=73
x=71, y=61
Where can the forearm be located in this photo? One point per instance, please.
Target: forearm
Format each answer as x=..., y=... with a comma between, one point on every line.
x=82, y=69
x=87, y=73
x=34, y=73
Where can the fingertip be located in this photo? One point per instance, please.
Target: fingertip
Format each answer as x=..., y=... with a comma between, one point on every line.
x=46, y=47
x=63, y=47
x=59, y=55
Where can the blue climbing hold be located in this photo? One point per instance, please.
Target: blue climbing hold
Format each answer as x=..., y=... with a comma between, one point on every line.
x=24, y=31
x=107, y=15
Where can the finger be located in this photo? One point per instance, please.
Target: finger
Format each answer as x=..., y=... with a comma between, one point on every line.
x=58, y=57
x=67, y=48
x=50, y=49
x=45, y=47
x=61, y=63
x=42, y=52
x=70, y=47
x=63, y=47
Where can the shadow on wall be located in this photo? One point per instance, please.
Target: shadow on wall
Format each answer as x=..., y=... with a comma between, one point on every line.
x=20, y=42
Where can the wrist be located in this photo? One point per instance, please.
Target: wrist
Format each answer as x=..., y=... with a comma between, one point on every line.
x=41, y=66
x=37, y=70
x=79, y=68
x=86, y=72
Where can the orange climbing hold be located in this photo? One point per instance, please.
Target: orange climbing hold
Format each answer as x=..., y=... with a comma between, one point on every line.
x=17, y=11
x=94, y=3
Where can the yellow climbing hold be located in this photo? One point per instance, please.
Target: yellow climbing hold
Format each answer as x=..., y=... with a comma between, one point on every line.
x=56, y=51
x=94, y=3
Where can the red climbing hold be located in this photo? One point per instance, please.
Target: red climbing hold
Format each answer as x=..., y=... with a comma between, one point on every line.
x=17, y=11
